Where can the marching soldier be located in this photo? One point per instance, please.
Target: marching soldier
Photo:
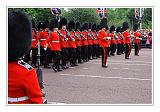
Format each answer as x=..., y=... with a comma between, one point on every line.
x=113, y=42
x=95, y=41
x=78, y=42
x=23, y=87
x=126, y=38
x=63, y=42
x=119, y=40
x=137, y=38
x=72, y=43
x=84, y=42
x=103, y=41
x=34, y=45
x=90, y=42
x=55, y=45
x=43, y=38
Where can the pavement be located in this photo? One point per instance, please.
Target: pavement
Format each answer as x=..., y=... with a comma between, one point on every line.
x=123, y=82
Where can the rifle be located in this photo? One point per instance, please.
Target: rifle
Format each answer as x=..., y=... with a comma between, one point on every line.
x=69, y=35
x=76, y=36
x=60, y=34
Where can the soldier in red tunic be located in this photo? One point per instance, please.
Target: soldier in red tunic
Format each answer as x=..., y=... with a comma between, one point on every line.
x=137, y=39
x=78, y=42
x=43, y=38
x=55, y=45
x=72, y=43
x=63, y=42
x=95, y=41
x=23, y=87
x=84, y=42
x=113, y=40
x=103, y=41
x=90, y=42
x=126, y=37
x=119, y=40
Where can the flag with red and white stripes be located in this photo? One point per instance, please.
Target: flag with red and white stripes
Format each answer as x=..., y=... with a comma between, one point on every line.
x=101, y=12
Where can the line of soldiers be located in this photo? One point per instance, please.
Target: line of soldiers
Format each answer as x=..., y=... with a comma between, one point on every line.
x=76, y=43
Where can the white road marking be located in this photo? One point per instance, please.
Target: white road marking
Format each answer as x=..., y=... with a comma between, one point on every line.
x=85, y=68
x=127, y=64
x=103, y=77
x=127, y=61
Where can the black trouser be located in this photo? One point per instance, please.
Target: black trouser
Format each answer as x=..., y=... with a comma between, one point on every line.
x=108, y=51
x=78, y=54
x=44, y=56
x=34, y=55
x=65, y=56
x=122, y=48
x=99, y=50
x=95, y=51
x=119, y=49
x=137, y=48
x=90, y=51
x=127, y=50
x=113, y=48
x=56, y=56
x=72, y=55
x=85, y=52
x=104, y=55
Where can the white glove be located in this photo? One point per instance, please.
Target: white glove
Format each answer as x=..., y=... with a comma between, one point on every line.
x=140, y=38
x=109, y=38
x=45, y=48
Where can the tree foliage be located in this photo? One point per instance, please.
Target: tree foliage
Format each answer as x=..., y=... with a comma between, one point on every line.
x=116, y=16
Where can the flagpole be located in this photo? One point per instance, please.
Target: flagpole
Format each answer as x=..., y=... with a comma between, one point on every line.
x=140, y=18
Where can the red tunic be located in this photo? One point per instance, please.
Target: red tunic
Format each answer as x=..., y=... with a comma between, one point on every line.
x=72, y=40
x=22, y=82
x=43, y=38
x=54, y=40
x=119, y=39
x=112, y=38
x=63, y=42
x=34, y=40
x=95, y=40
x=126, y=36
x=102, y=42
x=79, y=39
x=84, y=40
x=89, y=38
x=136, y=37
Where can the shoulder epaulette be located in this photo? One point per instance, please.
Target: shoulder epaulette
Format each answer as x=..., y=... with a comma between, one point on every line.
x=25, y=65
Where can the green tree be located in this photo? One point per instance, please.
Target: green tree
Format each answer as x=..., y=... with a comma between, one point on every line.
x=82, y=15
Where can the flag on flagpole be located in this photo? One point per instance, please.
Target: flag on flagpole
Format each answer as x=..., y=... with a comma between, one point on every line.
x=101, y=12
x=136, y=14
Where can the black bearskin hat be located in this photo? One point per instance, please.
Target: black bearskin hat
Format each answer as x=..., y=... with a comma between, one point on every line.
x=97, y=28
x=150, y=33
x=53, y=24
x=71, y=25
x=103, y=23
x=45, y=24
x=125, y=26
x=78, y=25
x=94, y=27
x=89, y=26
x=85, y=26
x=19, y=35
x=135, y=27
x=63, y=21
x=112, y=28
x=39, y=25
x=118, y=29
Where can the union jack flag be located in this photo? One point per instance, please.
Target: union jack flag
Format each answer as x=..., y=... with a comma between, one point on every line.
x=101, y=12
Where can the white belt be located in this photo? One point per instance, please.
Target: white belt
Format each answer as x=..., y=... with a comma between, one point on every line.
x=43, y=39
x=55, y=41
x=17, y=99
x=33, y=39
